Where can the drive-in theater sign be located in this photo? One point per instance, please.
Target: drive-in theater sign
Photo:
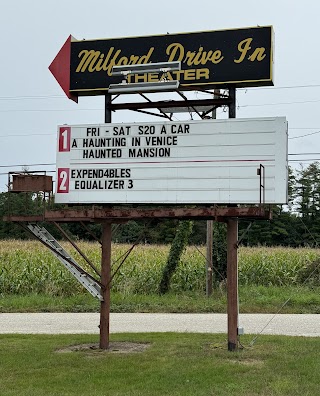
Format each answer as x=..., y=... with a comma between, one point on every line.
x=239, y=57
x=214, y=165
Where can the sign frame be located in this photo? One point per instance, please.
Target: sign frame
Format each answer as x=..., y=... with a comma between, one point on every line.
x=195, y=162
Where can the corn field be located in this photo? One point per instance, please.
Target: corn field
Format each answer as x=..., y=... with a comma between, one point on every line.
x=28, y=267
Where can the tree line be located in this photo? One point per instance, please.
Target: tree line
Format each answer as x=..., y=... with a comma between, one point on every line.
x=295, y=224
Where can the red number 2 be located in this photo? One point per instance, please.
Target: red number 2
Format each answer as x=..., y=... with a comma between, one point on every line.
x=63, y=180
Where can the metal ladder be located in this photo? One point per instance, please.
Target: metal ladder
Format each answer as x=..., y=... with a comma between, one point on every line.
x=62, y=255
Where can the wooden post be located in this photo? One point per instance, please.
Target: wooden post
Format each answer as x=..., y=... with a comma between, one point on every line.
x=106, y=286
x=209, y=258
x=232, y=283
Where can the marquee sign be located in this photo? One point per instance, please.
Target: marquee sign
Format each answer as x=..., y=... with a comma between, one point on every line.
x=240, y=57
x=207, y=161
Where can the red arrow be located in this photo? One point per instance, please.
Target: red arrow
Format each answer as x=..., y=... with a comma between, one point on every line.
x=60, y=68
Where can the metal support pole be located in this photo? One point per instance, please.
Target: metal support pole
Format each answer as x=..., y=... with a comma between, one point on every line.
x=232, y=283
x=105, y=285
x=232, y=106
x=107, y=109
x=77, y=248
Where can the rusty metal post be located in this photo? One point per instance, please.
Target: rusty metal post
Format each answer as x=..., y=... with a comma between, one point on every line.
x=232, y=283
x=105, y=285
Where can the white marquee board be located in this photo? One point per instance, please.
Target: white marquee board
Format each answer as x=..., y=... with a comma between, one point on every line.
x=206, y=161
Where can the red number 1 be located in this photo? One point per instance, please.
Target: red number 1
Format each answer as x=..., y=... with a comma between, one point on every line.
x=64, y=138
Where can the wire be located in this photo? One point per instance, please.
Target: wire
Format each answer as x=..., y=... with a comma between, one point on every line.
x=11, y=166
x=281, y=103
x=286, y=302
x=285, y=87
x=102, y=109
x=308, y=134
x=267, y=324
x=9, y=134
x=53, y=163
x=207, y=261
x=47, y=171
x=47, y=110
x=28, y=134
x=125, y=256
x=33, y=97
x=54, y=134
x=316, y=242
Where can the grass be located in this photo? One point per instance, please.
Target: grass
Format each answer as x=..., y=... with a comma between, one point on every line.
x=253, y=299
x=174, y=364
x=31, y=280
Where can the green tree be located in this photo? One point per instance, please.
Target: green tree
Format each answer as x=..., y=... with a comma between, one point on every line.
x=308, y=203
x=15, y=204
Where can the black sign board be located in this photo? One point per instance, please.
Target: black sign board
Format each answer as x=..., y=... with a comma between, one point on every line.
x=239, y=57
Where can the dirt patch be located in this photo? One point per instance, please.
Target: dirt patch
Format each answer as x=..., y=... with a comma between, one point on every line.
x=114, y=347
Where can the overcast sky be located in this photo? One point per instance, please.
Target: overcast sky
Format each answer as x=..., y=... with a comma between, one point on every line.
x=32, y=103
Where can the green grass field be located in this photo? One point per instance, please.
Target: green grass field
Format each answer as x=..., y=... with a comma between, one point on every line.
x=32, y=280
x=173, y=364
x=253, y=299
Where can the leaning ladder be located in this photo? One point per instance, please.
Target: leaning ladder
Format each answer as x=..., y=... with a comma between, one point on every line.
x=62, y=255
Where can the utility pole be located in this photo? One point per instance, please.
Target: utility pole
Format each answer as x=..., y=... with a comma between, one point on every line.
x=209, y=264
x=232, y=261
x=105, y=264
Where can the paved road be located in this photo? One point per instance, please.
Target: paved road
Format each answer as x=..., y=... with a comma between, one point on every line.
x=87, y=323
